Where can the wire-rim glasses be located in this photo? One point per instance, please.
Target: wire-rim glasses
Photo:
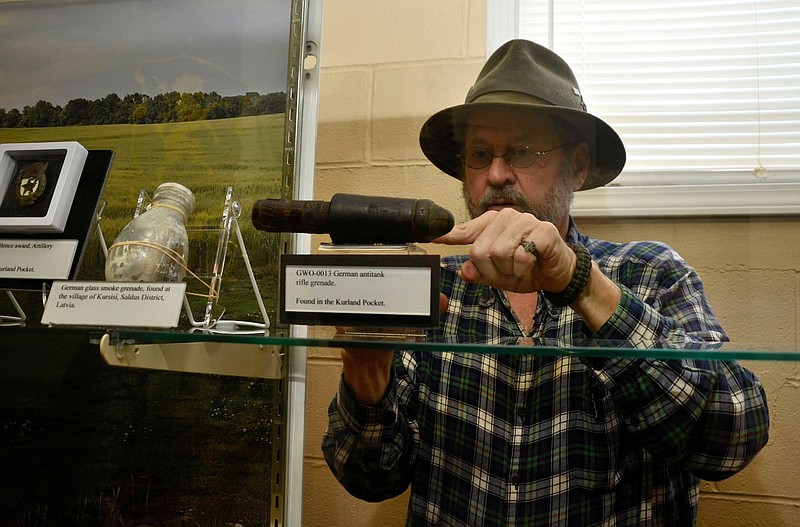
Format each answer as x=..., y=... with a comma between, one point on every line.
x=515, y=157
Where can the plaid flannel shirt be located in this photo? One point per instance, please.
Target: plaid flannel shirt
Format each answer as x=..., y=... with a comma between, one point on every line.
x=502, y=439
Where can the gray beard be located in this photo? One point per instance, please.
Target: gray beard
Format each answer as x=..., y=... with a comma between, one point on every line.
x=553, y=207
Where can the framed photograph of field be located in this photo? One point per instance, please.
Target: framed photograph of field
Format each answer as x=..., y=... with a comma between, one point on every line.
x=188, y=91
x=37, y=185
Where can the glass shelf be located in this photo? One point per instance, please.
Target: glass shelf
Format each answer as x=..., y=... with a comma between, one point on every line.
x=262, y=357
x=326, y=337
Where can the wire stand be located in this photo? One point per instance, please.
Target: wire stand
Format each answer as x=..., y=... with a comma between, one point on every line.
x=20, y=318
x=13, y=320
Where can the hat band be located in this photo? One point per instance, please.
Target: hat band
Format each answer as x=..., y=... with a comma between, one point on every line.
x=510, y=96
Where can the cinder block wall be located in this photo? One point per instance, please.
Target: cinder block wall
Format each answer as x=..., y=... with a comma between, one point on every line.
x=384, y=71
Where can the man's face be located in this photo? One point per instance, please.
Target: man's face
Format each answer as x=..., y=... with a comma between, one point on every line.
x=544, y=189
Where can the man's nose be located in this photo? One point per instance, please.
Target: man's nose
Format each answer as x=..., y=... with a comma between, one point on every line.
x=499, y=172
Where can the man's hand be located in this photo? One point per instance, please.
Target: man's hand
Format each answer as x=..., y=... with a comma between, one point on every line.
x=497, y=259
x=367, y=371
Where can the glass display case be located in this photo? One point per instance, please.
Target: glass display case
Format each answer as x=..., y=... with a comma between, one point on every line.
x=201, y=424
x=220, y=98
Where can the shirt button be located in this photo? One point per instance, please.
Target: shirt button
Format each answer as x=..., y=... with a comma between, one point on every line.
x=634, y=421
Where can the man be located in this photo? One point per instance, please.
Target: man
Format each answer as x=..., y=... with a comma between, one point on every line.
x=519, y=439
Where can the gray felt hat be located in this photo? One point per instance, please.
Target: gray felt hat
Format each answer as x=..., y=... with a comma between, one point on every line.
x=528, y=77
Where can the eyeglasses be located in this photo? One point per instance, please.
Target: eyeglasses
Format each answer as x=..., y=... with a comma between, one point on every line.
x=516, y=157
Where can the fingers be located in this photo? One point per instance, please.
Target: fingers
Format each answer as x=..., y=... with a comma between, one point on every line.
x=443, y=303
x=491, y=224
x=495, y=237
x=497, y=257
x=467, y=232
x=470, y=272
x=494, y=252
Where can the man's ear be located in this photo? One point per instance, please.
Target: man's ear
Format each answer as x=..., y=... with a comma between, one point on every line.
x=580, y=165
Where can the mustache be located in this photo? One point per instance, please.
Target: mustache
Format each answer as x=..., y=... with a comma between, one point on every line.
x=505, y=195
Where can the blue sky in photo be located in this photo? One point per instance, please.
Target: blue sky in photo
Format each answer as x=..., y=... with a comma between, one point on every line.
x=62, y=50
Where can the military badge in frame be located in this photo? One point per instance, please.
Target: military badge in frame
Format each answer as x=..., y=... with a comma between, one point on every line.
x=37, y=185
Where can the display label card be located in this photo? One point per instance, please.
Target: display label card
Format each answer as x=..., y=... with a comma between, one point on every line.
x=115, y=304
x=360, y=290
x=38, y=259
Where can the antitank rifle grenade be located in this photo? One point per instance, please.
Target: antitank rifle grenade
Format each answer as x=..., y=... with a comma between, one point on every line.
x=356, y=219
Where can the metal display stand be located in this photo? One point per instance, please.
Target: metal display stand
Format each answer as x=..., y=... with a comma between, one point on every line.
x=261, y=361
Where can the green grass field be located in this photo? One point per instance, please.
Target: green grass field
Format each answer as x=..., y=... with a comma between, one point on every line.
x=207, y=157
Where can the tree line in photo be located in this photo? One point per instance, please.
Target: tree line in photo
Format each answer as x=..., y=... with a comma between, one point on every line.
x=138, y=108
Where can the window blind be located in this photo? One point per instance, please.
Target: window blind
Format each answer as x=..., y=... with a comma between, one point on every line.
x=701, y=91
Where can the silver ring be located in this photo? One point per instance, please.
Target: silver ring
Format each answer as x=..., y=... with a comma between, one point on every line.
x=529, y=247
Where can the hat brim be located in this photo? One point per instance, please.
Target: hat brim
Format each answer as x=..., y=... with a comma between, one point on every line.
x=441, y=138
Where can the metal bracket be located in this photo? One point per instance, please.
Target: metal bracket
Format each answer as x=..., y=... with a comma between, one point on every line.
x=216, y=358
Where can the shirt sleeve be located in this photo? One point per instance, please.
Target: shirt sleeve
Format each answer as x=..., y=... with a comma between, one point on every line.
x=676, y=311
x=369, y=448
x=709, y=416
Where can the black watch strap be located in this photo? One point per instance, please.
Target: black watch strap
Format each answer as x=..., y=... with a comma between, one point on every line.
x=578, y=281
